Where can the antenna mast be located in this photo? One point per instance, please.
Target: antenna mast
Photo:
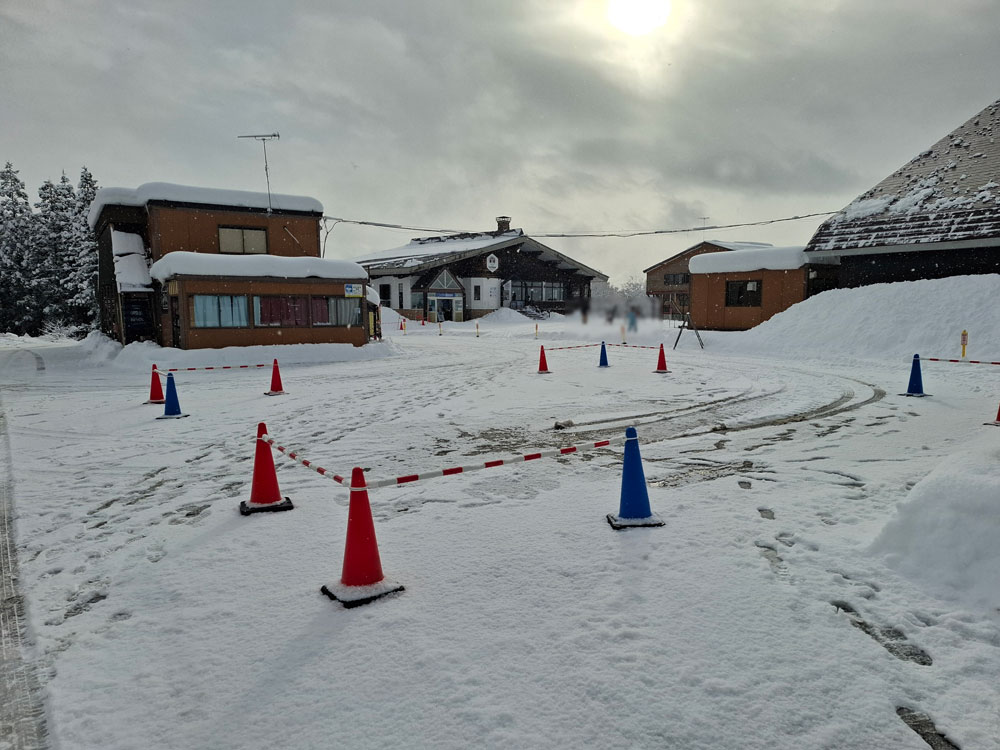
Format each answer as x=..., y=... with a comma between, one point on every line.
x=263, y=140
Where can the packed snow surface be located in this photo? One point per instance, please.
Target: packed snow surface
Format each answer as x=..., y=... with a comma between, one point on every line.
x=829, y=551
x=181, y=263
x=750, y=259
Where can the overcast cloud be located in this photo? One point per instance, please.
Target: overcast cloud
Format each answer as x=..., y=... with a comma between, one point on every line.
x=445, y=114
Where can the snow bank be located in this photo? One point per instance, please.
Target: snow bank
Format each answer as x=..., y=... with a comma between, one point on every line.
x=99, y=349
x=944, y=537
x=181, y=263
x=504, y=316
x=887, y=320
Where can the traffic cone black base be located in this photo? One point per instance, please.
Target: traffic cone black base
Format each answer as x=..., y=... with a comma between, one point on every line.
x=619, y=523
x=247, y=508
x=355, y=596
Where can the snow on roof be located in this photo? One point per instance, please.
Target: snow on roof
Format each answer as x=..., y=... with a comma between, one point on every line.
x=423, y=249
x=949, y=192
x=165, y=191
x=181, y=263
x=740, y=245
x=750, y=259
x=131, y=271
x=371, y=294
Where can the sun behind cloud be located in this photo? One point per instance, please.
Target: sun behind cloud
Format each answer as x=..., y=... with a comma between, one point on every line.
x=638, y=17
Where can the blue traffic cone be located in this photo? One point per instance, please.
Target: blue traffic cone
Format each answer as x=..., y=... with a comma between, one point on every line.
x=172, y=407
x=634, y=507
x=916, y=386
x=604, y=357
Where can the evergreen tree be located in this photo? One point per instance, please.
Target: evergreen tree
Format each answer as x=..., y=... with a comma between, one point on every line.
x=81, y=279
x=16, y=274
x=51, y=254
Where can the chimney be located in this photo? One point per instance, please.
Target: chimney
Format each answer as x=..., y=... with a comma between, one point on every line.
x=503, y=224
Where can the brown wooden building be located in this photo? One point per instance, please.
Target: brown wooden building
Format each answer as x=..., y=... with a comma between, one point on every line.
x=669, y=281
x=741, y=289
x=466, y=276
x=195, y=267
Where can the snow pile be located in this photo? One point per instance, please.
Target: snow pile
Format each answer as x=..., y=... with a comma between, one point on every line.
x=504, y=316
x=750, y=259
x=923, y=317
x=944, y=536
x=141, y=355
x=181, y=263
x=131, y=271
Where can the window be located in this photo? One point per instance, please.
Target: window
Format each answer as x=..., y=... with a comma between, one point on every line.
x=335, y=311
x=220, y=311
x=400, y=292
x=242, y=241
x=477, y=292
x=676, y=279
x=385, y=294
x=743, y=293
x=287, y=312
x=416, y=300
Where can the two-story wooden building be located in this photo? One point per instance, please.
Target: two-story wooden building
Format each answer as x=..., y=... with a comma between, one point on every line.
x=464, y=276
x=669, y=281
x=197, y=267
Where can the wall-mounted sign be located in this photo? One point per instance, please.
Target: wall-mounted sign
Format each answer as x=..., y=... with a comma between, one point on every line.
x=354, y=290
x=492, y=263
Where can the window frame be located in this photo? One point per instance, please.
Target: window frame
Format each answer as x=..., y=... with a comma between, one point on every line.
x=243, y=240
x=218, y=311
x=740, y=293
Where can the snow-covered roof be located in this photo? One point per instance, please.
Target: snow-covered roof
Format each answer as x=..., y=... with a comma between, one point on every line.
x=131, y=271
x=180, y=263
x=424, y=252
x=750, y=259
x=421, y=250
x=715, y=243
x=740, y=245
x=371, y=294
x=950, y=192
x=165, y=191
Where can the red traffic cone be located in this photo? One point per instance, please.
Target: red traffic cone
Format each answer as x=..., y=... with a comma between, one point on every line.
x=264, y=493
x=401, y=324
x=997, y=422
x=362, y=580
x=423, y=322
x=543, y=367
x=276, y=389
x=155, y=389
x=661, y=363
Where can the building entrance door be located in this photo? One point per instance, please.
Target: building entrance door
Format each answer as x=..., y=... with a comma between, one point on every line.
x=446, y=308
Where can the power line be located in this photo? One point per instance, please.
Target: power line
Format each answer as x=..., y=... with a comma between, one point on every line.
x=624, y=233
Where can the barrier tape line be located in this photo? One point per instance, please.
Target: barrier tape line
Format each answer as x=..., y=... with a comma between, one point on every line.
x=581, y=346
x=966, y=361
x=220, y=367
x=305, y=462
x=634, y=346
x=411, y=478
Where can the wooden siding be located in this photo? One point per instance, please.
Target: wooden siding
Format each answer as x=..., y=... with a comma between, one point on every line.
x=779, y=291
x=197, y=230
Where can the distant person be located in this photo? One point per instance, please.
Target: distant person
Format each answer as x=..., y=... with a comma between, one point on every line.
x=611, y=313
x=632, y=316
x=584, y=309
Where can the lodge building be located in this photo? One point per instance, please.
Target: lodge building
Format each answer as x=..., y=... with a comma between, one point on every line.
x=465, y=276
x=195, y=267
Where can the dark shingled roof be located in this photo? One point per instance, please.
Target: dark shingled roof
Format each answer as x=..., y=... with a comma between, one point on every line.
x=948, y=193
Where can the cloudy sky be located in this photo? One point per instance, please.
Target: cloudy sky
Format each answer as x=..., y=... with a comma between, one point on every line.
x=447, y=113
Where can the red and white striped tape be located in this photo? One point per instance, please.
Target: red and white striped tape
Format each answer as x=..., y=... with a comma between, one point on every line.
x=220, y=367
x=634, y=346
x=580, y=346
x=966, y=361
x=305, y=462
x=411, y=478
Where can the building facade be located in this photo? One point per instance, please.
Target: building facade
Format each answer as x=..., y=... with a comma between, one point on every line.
x=466, y=276
x=195, y=267
x=669, y=281
x=738, y=290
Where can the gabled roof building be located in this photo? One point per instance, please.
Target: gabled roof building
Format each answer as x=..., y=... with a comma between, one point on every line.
x=938, y=215
x=465, y=276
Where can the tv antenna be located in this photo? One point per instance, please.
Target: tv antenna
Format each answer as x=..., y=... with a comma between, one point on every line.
x=267, y=177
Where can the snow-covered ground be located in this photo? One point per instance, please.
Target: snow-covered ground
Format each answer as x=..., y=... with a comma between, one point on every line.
x=829, y=553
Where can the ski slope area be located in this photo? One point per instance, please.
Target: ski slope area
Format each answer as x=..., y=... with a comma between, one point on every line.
x=828, y=560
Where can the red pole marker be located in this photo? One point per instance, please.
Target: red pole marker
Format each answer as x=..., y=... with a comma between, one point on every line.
x=276, y=389
x=661, y=363
x=264, y=493
x=543, y=367
x=362, y=580
x=155, y=389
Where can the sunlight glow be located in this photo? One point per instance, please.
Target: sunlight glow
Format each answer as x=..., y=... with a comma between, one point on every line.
x=638, y=17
